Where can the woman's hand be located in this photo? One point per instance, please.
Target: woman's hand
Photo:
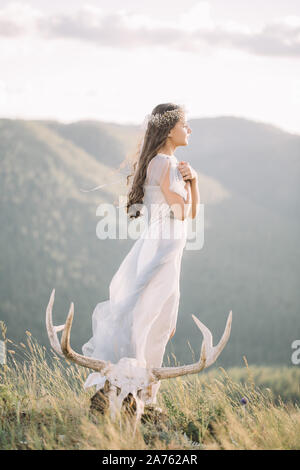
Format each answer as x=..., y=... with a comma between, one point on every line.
x=187, y=172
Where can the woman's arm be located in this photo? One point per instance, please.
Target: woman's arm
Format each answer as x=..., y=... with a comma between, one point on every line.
x=191, y=185
x=194, y=188
x=188, y=202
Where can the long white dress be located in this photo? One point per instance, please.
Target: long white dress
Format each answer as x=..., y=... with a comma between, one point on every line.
x=142, y=309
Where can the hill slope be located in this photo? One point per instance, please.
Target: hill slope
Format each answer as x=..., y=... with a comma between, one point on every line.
x=248, y=175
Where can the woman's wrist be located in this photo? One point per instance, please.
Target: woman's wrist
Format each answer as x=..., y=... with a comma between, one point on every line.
x=195, y=179
x=194, y=174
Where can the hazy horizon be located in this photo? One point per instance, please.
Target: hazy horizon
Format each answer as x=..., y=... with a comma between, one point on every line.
x=114, y=62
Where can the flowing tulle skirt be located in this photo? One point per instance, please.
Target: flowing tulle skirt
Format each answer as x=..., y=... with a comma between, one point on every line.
x=142, y=309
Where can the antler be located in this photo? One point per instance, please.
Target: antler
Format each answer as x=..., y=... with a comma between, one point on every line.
x=65, y=349
x=53, y=330
x=208, y=356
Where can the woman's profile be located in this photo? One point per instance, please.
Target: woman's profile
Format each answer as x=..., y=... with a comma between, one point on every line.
x=140, y=315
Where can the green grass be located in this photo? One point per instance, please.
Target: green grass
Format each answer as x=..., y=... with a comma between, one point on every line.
x=43, y=406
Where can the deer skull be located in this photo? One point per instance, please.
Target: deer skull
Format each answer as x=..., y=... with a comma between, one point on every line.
x=124, y=378
x=127, y=377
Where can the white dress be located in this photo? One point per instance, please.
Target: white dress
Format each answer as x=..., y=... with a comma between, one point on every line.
x=141, y=312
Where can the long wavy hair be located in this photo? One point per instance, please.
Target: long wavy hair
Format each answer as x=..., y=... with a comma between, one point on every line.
x=155, y=137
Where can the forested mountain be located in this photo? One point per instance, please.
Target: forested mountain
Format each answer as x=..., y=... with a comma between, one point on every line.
x=249, y=176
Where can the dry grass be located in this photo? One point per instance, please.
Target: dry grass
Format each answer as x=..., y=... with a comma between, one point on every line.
x=43, y=406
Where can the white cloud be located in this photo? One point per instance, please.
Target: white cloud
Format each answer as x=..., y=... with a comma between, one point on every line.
x=67, y=74
x=18, y=19
x=198, y=16
x=191, y=32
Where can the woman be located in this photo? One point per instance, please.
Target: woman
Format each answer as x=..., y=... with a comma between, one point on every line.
x=140, y=316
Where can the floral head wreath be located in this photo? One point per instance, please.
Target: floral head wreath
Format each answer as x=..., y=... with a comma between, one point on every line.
x=159, y=121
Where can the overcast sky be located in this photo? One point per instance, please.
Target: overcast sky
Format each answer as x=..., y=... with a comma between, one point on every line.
x=115, y=60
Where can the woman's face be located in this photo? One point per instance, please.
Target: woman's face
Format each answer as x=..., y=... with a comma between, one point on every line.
x=180, y=132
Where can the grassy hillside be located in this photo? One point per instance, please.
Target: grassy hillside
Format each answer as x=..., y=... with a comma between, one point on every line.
x=249, y=262
x=43, y=406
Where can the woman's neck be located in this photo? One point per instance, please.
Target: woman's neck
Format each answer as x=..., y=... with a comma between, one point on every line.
x=168, y=150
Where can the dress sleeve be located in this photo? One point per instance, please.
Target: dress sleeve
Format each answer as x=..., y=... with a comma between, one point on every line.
x=157, y=170
x=177, y=182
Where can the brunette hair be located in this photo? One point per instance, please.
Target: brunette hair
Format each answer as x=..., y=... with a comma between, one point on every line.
x=155, y=137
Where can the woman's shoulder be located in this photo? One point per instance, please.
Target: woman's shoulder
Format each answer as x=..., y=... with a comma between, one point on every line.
x=159, y=160
x=164, y=160
x=165, y=156
x=159, y=157
x=157, y=168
